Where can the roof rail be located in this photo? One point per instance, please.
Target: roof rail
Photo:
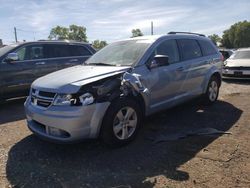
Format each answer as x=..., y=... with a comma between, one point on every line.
x=176, y=32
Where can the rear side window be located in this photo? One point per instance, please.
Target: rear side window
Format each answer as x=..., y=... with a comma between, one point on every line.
x=207, y=48
x=189, y=48
x=79, y=50
x=169, y=48
x=58, y=50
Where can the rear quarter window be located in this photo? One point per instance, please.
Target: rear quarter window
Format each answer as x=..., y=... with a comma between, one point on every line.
x=189, y=48
x=207, y=48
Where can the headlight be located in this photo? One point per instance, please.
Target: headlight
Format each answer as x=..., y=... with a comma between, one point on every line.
x=225, y=63
x=63, y=99
x=67, y=100
x=86, y=99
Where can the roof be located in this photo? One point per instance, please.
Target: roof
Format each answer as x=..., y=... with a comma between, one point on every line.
x=170, y=34
x=53, y=41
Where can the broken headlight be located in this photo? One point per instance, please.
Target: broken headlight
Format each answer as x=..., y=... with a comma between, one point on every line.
x=73, y=100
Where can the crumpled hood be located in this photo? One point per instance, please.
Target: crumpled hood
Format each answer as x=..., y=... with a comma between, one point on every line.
x=71, y=79
x=238, y=62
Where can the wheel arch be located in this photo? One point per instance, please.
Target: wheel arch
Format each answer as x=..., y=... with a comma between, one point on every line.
x=139, y=99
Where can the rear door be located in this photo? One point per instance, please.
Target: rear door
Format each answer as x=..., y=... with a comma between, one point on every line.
x=67, y=55
x=193, y=66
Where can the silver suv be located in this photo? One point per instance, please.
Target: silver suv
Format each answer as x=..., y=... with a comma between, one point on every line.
x=111, y=92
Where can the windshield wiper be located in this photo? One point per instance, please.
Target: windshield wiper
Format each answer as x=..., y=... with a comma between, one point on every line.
x=103, y=64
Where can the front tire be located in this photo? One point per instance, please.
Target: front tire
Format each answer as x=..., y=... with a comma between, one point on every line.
x=212, y=91
x=121, y=122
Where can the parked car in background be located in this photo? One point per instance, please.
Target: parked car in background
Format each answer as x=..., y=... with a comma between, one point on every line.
x=109, y=95
x=226, y=53
x=238, y=65
x=21, y=64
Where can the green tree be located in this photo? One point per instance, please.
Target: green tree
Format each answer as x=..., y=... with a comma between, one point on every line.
x=97, y=44
x=136, y=33
x=73, y=32
x=237, y=36
x=215, y=38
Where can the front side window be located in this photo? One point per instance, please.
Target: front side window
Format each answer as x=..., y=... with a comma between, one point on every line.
x=170, y=49
x=189, y=49
x=31, y=52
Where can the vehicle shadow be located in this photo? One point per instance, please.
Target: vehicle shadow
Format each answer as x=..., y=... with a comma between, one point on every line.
x=237, y=81
x=36, y=163
x=12, y=111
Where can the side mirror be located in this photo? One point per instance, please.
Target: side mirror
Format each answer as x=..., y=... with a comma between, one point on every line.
x=159, y=60
x=11, y=57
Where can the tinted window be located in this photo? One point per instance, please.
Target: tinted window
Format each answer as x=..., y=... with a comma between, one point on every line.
x=207, y=48
x=170, y=49
x=189, y=49
x=31, y=52
x=79, y=51
x=59, y=50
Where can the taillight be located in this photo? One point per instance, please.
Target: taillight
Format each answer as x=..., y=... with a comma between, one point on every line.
x=222, y=57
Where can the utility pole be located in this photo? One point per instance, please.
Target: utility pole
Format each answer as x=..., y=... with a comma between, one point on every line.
x=152, y=28
x=15, y=34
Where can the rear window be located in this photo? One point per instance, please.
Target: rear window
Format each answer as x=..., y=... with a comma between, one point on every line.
x=207, y=48
x=241, y=55
x=189, y=48
x=79, y=50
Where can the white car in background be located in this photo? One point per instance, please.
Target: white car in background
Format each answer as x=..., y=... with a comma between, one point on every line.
x=238, y=65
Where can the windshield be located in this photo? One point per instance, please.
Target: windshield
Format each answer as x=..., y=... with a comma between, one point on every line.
x=123, y=53
x=241, y=55
x=5, y=49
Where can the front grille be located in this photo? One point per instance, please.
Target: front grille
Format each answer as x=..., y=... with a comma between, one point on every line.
x=42, y=98
x=238, y=68
x=236, y=76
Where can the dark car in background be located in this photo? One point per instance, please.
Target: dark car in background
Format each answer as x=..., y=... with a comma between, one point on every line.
x=226, y=53
x=21, y=64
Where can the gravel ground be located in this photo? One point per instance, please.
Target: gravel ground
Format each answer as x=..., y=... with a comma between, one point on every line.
x=196, y=161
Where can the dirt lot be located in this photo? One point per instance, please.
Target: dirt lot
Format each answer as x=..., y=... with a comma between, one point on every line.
x=195, y=161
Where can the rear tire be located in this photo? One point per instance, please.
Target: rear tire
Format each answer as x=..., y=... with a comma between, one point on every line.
x=212, y=91
x=121, y=122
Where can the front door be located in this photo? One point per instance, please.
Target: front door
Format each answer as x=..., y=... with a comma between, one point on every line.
x=166, y=82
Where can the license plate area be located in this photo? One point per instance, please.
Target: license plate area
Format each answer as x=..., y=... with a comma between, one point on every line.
x=238, y=73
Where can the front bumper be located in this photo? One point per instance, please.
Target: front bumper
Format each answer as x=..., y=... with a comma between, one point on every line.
x=235, y=73
x=65, y=123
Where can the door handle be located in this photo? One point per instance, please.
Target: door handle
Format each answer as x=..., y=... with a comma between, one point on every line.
x=40, y=63
x=180, y=69
x=73, y=60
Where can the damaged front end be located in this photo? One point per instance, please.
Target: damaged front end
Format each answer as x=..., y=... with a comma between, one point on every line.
x=121, y=85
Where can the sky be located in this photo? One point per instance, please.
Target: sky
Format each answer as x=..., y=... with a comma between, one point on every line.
x=113, y=20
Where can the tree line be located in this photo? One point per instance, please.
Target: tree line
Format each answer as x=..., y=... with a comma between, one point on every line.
x=78, y=33
x=237, y=36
